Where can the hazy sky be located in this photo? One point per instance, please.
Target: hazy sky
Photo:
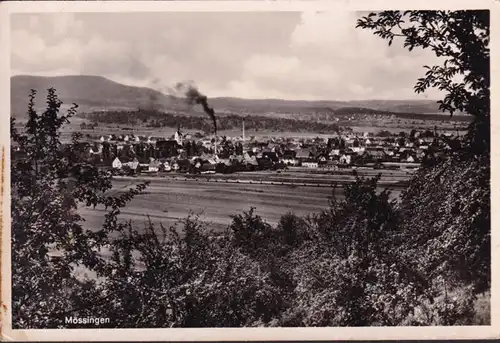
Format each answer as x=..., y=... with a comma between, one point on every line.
x=289, y=55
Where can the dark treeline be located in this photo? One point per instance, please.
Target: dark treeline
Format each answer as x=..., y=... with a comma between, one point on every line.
x=153, y=118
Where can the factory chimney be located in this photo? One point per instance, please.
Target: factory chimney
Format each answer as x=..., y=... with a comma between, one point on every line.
x=243, y=129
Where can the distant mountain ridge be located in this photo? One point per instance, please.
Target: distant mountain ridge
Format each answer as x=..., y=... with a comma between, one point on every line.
x=96, y=93
x=88, y=92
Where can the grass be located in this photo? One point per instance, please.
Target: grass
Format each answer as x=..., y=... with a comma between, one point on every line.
x=167, y=201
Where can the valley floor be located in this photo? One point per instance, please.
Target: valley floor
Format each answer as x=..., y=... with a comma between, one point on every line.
x=169, y=200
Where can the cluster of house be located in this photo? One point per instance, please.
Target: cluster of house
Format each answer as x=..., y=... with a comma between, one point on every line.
x=362, y=151
x=182, y=153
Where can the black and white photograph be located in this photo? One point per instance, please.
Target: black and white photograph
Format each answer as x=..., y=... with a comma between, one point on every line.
x=249, y=169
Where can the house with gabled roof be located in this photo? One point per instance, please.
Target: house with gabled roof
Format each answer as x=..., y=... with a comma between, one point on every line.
x=410, y=159
x=310, y=163
x=134, y=164
x=334, y=152
x=289, y=160
x=154, y=166
x=167, y=166
x=388, y=152
x=117, y=164
x=358, y=150
x=345, y=159
x=376, y=153
x=330, y=165
x=303, y=154
x=208, y=168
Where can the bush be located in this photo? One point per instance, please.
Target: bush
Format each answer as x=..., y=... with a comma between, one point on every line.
x=447, y=207
x=48, y=184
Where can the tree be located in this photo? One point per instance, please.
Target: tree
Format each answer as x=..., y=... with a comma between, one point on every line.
x=457, y=204
x=342, y=144
x=384, y=133
x=461, y=40
x=189, y=146
x=413, y=134
x=401, y=141
x=448, y=201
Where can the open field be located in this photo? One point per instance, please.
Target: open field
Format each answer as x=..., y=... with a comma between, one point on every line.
x=167, y=201
x=293, y=176
x=360, y=127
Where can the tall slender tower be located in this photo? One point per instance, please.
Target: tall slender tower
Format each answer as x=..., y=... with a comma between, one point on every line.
x=215, y=141
x=243, y=129
x=215, y=144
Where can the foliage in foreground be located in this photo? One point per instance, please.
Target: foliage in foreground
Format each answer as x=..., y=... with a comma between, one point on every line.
x=47, y=186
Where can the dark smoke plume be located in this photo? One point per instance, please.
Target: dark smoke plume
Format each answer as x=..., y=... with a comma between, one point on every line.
x=194, y=97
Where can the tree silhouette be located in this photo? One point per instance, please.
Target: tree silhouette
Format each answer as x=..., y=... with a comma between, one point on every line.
x=49, y=182
x=447, y=203
x=461, y=40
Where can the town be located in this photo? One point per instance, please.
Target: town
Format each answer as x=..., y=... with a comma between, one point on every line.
x=131, y=154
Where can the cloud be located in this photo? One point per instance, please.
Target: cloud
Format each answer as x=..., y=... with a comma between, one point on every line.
x=311, y=55
x=31, y=53
x=287, y=75
x=328, y=58
x=112, y=58
x=329, y=31
x=64, y=24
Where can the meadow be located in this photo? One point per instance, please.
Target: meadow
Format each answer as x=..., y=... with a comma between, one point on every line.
x=373, y=127
x=168, y=201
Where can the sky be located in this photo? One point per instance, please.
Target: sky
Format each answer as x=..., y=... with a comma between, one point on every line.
x=286, y=55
